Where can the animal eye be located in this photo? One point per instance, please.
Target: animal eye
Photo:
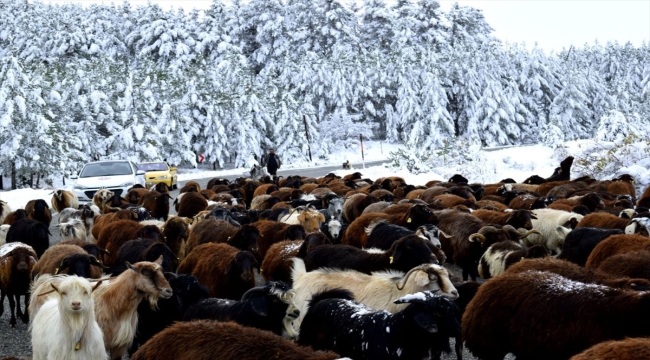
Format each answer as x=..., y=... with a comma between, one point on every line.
x=64, y=293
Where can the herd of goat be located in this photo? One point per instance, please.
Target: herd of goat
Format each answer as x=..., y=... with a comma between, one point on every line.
x=351, y=267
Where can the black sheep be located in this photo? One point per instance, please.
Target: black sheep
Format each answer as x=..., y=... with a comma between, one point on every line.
x=336, y=323
x=580, y=242
x=31, y=232
x=405, y=254
x=262, y=307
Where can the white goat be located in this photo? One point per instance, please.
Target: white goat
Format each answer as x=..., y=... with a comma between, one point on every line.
x=65, y=328
x=3, y=233
x=378, y=291
x=4, y=210
x=554, y=226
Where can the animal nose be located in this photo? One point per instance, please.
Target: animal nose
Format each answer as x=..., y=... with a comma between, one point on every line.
x=76, y=305
x=339, y=211
x=294, y=314
x=166, y=293
x=454, y=293
x=22, y=266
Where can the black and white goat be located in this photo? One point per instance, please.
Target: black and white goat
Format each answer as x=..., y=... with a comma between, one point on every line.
x=335, y=322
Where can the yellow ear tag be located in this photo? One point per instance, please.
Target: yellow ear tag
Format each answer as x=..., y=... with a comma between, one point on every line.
x=409, y=220
x=78, y=346
x=56, y=271
x=391, y=260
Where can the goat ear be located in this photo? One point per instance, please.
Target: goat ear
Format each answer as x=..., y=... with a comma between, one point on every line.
x=128, y=265
x=259, y=306
x=65, y=263
x=96, y=262
x=426, y=322
x=159, y=260
x=230, y=265
x=96, y=285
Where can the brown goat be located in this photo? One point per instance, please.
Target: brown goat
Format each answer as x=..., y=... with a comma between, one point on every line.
x=14, y=216
x=157, y=203
x=16, y=263
x=627, y=349
x=491, y=204
x=190, y=204
x=448, y=201
x=265, y=189
x=617, y=244
x=118, y=232
x=64, y=199
x=101, y=221
x=190, y=186
x=415, y=216
x=623, y=185
x=225, y=270
x=134, y=195
x=576, y=272
x=203, y=339
x=277, y=263
x=630, y=264
x=264, y=201
x=176, y=231
x=272, y=232
x=101, y=197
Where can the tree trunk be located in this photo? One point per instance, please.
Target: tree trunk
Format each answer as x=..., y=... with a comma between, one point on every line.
x=2, y=186
x=38, y=179
x=13, y=176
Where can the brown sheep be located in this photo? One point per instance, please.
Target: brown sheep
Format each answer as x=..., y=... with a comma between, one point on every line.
x=134, y=195
x=623, y=185
x=190, y=186
x=16, y=263
x=321, y=192
x=627, y=349
x=264, y=201
x=308, y=188
x=603, y=221
x=529, y=202
x=448, y=201
x=205, y=231
x=63, y=199
x=543, y=189
x=415, y=194
x=225, y=270
x=176, y=231
x=592, y=201
x=491, y=204
x=157, y=203
x=617, y=244
x=203, y=339
x=39, y=210
x=265, y=189
x=377, y=207
x=576, y=272
x=101, y=221
x=190, y=204
x=118, y=232
x=517, y=219
x=415, y=216
x=355, y=204
x=14, y=216
x=583, y=315
x=272, y=232
x=277, y=263
x=68, y=259
x=630, y=264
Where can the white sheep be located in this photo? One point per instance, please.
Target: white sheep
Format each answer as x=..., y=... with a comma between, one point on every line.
x=554, y=226
x=65, y=328
x=3, y=233
x=4, y=210
x=378, y=291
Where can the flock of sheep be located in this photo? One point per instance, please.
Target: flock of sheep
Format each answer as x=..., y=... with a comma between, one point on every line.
x=351, y=267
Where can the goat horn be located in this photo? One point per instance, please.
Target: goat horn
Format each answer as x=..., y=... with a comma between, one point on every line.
x=530, y=232
x=406, y=277
x=444, y=233
x=480, y=237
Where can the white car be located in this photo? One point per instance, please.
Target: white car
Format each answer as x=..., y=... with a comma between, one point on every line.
x=114, y=175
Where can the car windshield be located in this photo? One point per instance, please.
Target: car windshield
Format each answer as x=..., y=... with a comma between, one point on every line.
x=106, y=169
x=153, y=167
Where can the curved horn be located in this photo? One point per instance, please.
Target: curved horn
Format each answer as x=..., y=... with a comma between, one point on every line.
x=481, y=237
x=406, y=277
x=530, y=232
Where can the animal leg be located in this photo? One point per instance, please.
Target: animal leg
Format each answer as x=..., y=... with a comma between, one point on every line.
x=25, y=317
x=12, y=307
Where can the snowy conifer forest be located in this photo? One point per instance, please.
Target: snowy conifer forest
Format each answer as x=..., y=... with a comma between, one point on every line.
x=78, y=83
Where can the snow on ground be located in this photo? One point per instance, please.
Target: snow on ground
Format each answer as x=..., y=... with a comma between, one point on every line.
x=490, y=167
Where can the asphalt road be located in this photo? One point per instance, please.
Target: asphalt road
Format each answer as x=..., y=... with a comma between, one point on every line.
x=17, y=341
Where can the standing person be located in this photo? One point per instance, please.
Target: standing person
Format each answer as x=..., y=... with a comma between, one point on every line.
x=272, y=162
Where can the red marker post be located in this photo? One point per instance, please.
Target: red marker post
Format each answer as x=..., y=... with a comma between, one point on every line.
x=363, y=159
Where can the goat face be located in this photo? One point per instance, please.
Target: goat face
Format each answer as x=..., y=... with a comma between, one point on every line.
x=410, y=251
x=311, y=220
x=243, y=264
x=420, y=215
x=334, y=228
x=74, y=295
x=151, y=281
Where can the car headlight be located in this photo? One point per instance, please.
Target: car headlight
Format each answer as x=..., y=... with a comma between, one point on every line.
x=127, y=184
x=164, y=177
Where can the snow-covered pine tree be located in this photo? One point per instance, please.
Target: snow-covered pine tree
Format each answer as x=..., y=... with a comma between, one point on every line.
x=614, y=127
x=570, y=108
x=376, y=29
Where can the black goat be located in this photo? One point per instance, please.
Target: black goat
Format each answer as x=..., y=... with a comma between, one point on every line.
x=335, y=322
x=31, y=232
x=138, y=250
x=580, y=242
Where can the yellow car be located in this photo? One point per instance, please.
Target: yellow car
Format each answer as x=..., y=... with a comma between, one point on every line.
x=159, y=172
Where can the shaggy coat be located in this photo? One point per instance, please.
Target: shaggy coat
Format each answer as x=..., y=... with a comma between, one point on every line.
x=630, y=264
x=578, y=273
x=115, y=234
x=272, y=232
x=39, y=210
x=73, y=229
x=65, y=327
x=583, y=315
x=554, y=225
x=310, y=218
x=191, y=204
x=14, y=216
x=137, y=250
x=355, y=204
x=157, y=203
x=4, y=210
x=176, y=231
x=102, y=221
x=202, y=339
x=278, y=260
x=228, y=272
x=190, y=186
x=63, y=199
x=517, y=219
x=617, y=244
x=85, y=214
x=16, y=263
x=116, y=301
x=627, y=349
x=500, y=256
x=264, y=201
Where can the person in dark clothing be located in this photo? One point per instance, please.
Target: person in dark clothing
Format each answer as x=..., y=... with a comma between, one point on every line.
x=272, y=162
